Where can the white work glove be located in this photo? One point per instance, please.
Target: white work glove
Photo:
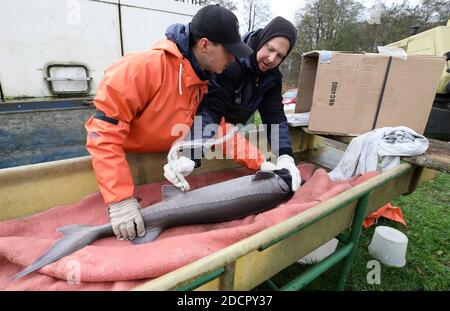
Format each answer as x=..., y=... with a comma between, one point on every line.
x=182, y=166
x=126, y=219
x=287, y=162
x=267, y=166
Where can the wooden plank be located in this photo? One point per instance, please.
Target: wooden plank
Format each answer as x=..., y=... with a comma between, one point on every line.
x=344, y=139
x=302, y=141
x=323, y=156
x=437, y=156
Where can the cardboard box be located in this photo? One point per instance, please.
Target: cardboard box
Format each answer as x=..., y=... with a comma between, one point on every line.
x=354, y=93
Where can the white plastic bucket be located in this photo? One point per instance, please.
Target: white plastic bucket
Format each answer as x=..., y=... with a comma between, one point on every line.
x=389, y=246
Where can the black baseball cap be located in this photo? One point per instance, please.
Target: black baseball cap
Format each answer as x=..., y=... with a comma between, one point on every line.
x=220, y=25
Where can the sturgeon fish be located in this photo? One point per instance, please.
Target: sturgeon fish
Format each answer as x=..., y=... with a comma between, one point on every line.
x=228, y=200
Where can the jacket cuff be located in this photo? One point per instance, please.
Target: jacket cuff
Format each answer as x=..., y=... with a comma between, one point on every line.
x=198, y=162
x=191, y=155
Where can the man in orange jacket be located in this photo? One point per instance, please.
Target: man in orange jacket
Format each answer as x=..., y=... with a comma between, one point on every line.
x=144, y=95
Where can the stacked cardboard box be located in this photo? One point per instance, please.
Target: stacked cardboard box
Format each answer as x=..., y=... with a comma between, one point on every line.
x=354, y=93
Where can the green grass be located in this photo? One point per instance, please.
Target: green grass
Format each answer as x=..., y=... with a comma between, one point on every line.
x=427, y=216
x=257, y=119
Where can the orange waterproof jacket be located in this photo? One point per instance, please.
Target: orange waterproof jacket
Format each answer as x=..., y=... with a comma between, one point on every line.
x=149, y=93
x=240, y=149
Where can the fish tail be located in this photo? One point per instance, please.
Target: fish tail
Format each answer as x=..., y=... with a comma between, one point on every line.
x=57, y=250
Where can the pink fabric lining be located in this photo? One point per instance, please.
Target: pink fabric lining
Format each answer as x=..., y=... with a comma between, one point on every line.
x=109, y=264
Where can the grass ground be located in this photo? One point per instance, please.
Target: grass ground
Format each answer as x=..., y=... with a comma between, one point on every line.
x=427, y=216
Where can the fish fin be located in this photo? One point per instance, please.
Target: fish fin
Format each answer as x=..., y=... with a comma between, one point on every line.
x=72, y=228
x=150, y=235
x=170, y=192
x=263, y=175
x=24, y=272
x=84, y=235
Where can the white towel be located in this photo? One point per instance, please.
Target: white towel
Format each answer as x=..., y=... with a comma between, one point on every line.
x=388, y=143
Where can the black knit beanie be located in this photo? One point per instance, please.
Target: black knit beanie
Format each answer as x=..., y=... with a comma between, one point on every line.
x=279, y=26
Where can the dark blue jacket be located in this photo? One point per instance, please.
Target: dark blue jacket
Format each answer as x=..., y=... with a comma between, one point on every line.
x=236, y=94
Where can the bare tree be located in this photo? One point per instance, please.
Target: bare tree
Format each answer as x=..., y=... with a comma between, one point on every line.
x=337, y=25
x=432, y=13
x=321, y=22
x=255, y=13
x=229, y=4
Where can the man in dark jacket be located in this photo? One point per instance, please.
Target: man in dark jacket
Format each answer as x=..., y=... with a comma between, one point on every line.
x=247, y=85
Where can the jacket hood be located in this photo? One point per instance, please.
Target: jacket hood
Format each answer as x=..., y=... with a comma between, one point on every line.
x=279, y=26
x=249, y=38
x=179, y=34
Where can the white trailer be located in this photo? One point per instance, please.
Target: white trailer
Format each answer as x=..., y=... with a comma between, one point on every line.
x=57, y=47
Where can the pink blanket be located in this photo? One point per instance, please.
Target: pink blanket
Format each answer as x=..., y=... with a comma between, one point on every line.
x=109, y=264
